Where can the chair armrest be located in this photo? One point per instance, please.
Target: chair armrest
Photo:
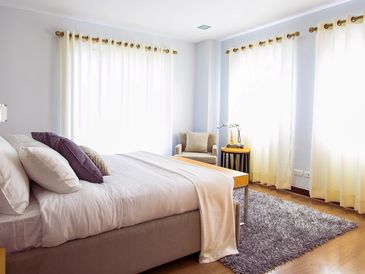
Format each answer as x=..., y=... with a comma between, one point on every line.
x=215, y=150
x=178, y=149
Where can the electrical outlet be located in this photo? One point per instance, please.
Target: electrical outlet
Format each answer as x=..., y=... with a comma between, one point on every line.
x=298, y=172
x=306, y=174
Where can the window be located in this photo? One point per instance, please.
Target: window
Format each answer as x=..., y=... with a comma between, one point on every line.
x=338, y=147
x=261, y=96
x=116, y=99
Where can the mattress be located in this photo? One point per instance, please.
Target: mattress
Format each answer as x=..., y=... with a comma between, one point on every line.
x=23, y=231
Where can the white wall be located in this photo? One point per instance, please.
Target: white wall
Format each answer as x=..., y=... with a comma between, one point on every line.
x=305, y=74
x=29, y=69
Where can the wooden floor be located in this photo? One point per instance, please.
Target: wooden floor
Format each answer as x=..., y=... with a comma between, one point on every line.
x=345, y=254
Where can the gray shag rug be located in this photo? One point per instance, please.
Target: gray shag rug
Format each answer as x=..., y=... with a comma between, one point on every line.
x=278, y=231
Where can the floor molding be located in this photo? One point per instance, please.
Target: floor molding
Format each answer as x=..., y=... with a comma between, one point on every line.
x=294, y=189
x=300, y=191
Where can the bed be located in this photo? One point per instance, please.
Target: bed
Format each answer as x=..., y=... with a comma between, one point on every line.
x=141, y=217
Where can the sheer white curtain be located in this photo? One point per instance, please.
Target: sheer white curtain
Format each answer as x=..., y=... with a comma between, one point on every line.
x=338, y=141
x=261, y=96
x=115, y=98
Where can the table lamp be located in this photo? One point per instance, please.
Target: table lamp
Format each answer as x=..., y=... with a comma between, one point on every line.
x=3, y=113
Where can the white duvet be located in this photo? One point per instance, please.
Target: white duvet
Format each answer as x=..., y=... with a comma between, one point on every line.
x=143, y=187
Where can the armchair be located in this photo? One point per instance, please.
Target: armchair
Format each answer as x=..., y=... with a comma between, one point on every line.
x=209, y=157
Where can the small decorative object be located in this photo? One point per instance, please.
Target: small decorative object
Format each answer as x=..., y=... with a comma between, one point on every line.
x=231, y=141
x=3, y=113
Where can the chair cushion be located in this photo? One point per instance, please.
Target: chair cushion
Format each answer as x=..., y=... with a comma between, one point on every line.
x=196, y=141
x=202, y=157
x=211, y=141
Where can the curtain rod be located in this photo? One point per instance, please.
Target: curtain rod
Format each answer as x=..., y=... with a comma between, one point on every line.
x=339, y=22
x=263, y=42
x=118, y=43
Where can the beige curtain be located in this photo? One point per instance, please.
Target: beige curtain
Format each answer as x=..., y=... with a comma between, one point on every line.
x=116, y=99
x=261, y=100
x=338, y=142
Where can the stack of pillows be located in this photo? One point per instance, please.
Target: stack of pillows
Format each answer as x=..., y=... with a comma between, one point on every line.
x=54, y=162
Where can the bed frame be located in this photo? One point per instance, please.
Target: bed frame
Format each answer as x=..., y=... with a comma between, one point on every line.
x=128, y=250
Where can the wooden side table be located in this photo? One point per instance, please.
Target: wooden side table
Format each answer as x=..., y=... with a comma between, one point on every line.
x=241, y=158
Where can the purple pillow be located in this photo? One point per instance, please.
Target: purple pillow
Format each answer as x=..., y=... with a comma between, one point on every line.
x=78, y=160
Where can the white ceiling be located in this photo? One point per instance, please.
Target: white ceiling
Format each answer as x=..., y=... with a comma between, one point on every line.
x=177, y=18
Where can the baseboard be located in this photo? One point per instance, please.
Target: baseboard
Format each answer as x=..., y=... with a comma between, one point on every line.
x=305, y=192
x=294, y=189
x=300, y=191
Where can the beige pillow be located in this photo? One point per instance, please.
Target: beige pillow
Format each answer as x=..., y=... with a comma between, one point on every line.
x=97, y=160
x=49, y=169
x=19, y=140
x=14, y=182
x=197, y=141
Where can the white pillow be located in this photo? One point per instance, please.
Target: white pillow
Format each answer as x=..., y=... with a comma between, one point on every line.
x=14, y=182
x=197, y=141
x=49, y=169
x=19, y=140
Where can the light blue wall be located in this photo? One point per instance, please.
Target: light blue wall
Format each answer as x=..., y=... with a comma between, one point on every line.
x=207, y=86
x=202, y=83
x=305, y=74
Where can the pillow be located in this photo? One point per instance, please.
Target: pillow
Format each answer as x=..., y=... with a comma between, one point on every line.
x=96, y=159
x=197, y=141
x=18, y=140
x=78, y=160
x=14, y=182
x=49, y=169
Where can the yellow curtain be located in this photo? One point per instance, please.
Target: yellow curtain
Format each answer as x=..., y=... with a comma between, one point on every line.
x=261, y=100
x=338, y=142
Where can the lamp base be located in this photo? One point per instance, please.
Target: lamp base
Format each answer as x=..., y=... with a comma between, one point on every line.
x=235, y=146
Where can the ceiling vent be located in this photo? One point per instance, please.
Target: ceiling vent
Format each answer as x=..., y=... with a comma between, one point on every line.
x=204, y=27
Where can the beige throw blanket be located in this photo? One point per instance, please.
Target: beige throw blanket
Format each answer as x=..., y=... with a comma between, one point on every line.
x=215, y=195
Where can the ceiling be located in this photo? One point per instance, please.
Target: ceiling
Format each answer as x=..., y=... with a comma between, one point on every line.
x=177, y=18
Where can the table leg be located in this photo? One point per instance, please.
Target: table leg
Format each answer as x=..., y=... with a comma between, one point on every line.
x=234, y=161
x=245, y=205
x=222, y=160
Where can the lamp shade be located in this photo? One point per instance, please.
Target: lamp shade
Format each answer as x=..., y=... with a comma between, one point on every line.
x=3, y=113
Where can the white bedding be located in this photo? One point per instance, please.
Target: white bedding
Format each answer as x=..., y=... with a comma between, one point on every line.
x=143, y=187
x=133, y=194
x=21, y=231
